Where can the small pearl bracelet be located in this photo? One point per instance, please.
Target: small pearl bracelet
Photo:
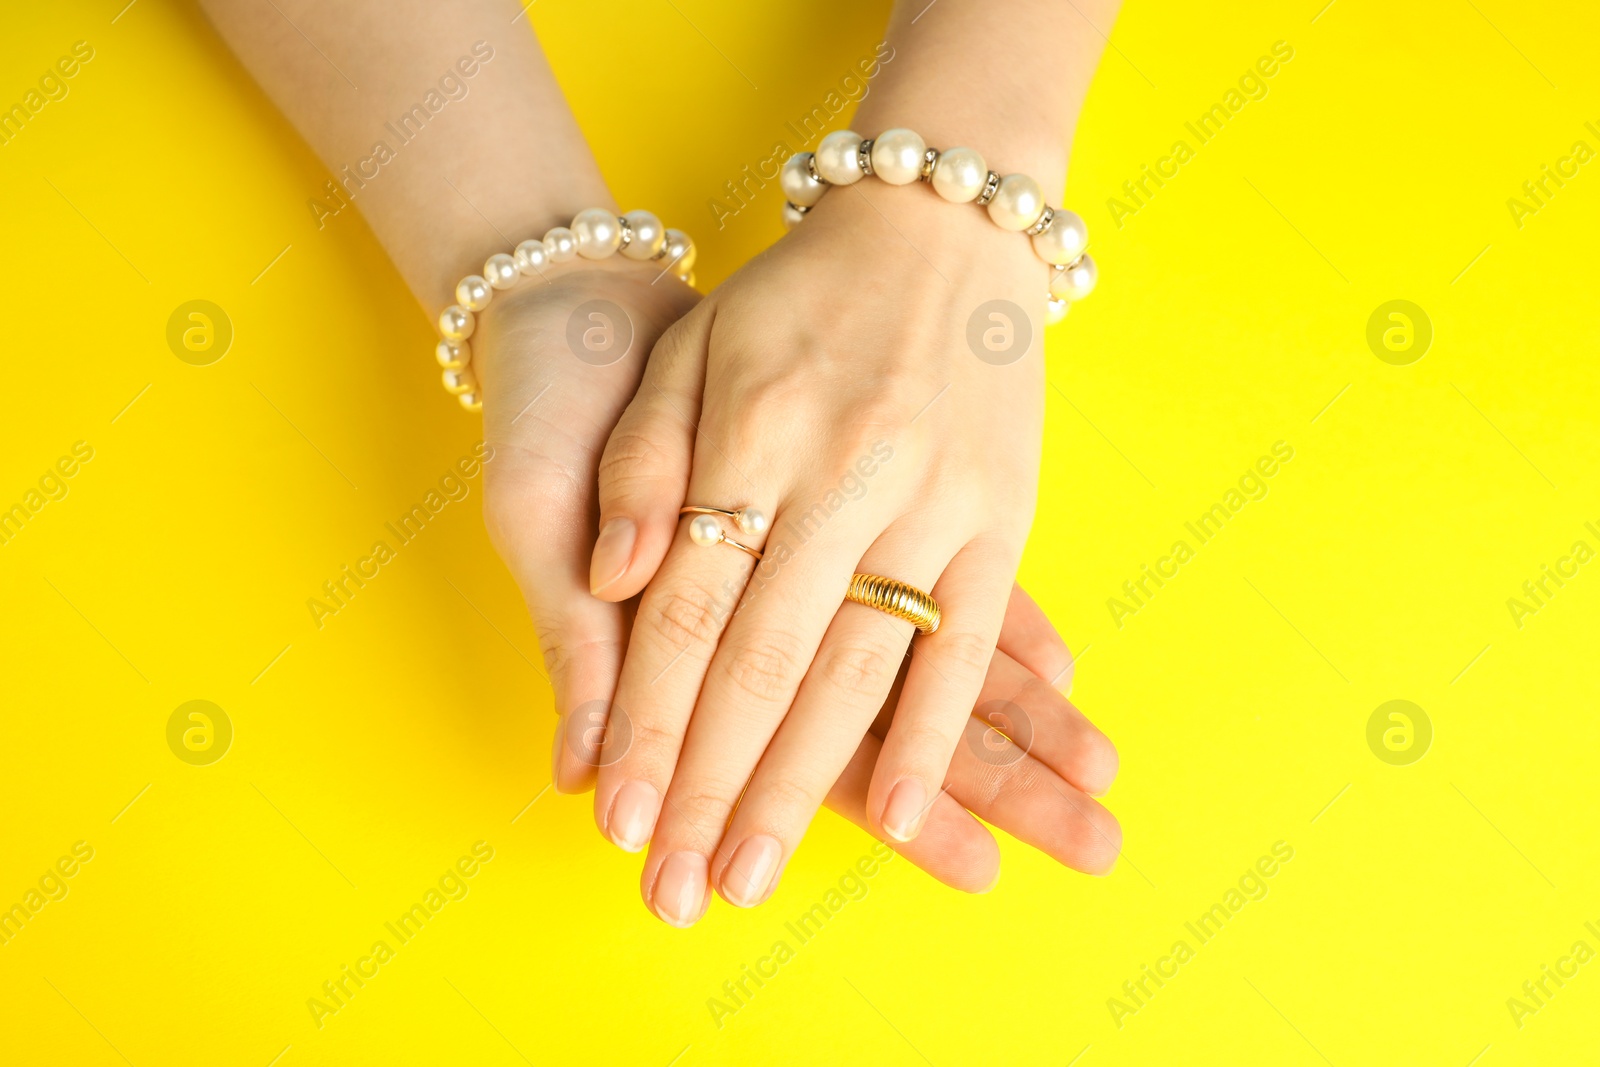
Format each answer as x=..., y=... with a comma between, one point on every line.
x=1015, y=202
x=595, y=233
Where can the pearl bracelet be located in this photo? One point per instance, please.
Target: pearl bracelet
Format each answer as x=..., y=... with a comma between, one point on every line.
x=1014, y=202
x=595, y=233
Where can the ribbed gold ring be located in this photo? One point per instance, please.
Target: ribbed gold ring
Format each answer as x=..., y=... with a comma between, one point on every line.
x=895, y=598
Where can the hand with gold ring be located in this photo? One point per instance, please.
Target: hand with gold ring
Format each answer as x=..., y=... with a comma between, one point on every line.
x=830, y=384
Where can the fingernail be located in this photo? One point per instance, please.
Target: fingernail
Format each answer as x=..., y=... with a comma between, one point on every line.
x=777, y=879
x=991, y=884
x=748, y=876
x=680, y=888
x=633, y=815
x=555, y=753
x=903, y=815
x=612, y=551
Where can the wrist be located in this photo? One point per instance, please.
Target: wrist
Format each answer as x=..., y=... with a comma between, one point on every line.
x=1012, y=140
x=931, y=238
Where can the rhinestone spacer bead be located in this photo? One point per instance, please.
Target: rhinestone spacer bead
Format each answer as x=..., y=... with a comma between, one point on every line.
x=991, y=186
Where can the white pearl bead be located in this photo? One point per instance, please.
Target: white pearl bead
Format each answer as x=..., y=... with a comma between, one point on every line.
x=598, y=232
x=679, y=253
x=501, y=270
x=1055, y=311
x=752, y=521
x=458, y=382
x=838, y=158
x=792, y=216
x=456, y=323
x=705, y=530
x=560, y=245
x=959, y=175
x=1064, y=241
x=1074, y=282
x=470, y=400
x=648, y=235
x=897, y=156
x=799, y=187
x=1018, y=203
x=473, y=293
x=531, y=258
x=452, y=355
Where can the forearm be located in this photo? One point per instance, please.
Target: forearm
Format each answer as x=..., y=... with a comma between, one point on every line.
x=469, y=161
x=1006, y=77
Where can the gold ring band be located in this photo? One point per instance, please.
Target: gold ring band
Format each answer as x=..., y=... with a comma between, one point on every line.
x=895, y=598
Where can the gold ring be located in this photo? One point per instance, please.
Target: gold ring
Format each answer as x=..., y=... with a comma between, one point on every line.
x=706, y=530
x=895, y=598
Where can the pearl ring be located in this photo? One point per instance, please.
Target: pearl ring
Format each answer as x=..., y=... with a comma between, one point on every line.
x=706, y=530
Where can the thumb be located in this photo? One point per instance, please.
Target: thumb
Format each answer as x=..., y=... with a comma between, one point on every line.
x=644, y=472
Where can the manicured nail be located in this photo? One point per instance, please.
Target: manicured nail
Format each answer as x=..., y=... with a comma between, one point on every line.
x=612, y=552
x=680, y=889
x=903, y=815
x=555, y=753
x=777, y=879
x=633, y=815
x=749, y=874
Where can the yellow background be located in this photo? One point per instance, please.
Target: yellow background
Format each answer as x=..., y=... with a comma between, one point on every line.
x=369, y=755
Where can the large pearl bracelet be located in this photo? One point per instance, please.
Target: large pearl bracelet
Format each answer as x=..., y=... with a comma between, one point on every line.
x=595, y=233
x=1014, y=202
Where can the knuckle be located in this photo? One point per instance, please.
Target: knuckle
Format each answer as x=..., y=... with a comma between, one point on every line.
x=525, y=495
x=683, y=618
x=764, y=670
x=562, y=647
x=702, y=805
x=633, y=454
x=1012, y=780
x=856, y=668
x=653, y=744
x=791, y=796
x=964, y=650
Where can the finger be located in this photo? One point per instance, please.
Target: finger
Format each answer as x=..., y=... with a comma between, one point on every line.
x=953, y=847
x=1019, y=794
x=749, y=686
x=1022, y=712
x=675, y=633
x=843, y=689
x=1027, y=636
x=947, y=672
x=644, y=472
x=537, y=531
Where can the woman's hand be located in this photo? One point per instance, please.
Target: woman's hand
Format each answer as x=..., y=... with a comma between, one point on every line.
x=548, y=406
x=548, y=413
x=831, y=384
x=1029, y=763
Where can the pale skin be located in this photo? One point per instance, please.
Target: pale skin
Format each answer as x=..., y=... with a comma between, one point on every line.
x=792, y=700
